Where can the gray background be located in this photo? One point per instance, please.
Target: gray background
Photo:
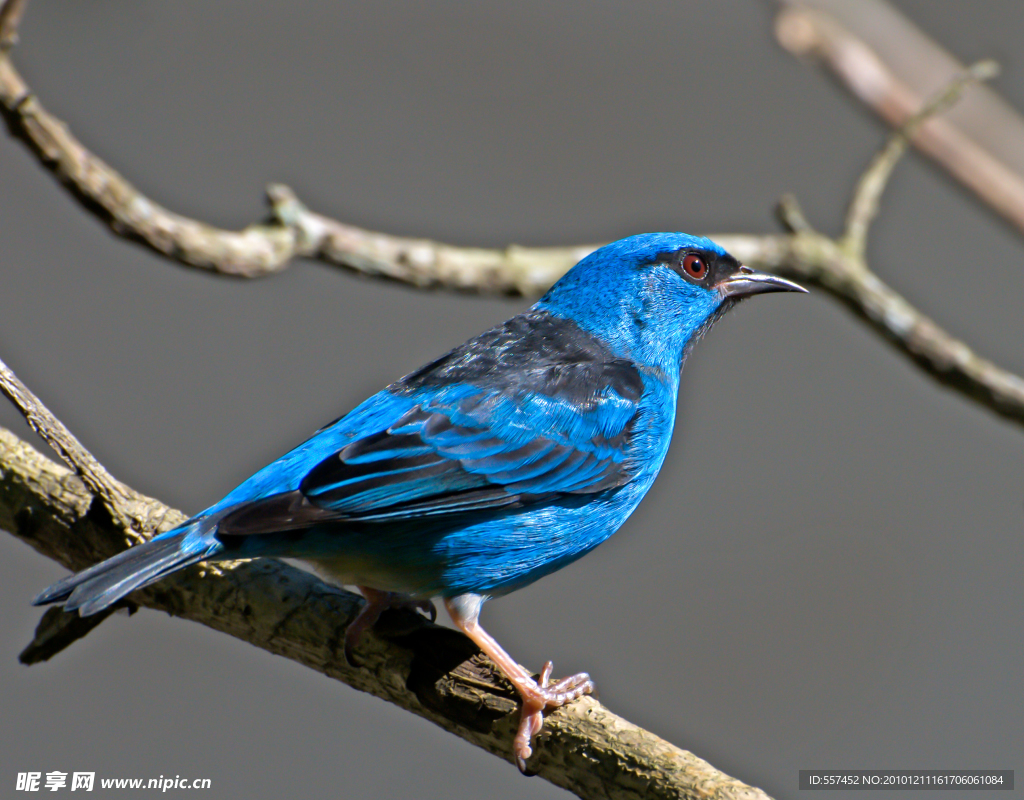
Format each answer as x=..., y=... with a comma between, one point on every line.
x=828, y=573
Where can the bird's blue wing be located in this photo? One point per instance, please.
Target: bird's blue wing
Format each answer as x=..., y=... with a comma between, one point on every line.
x=449, y=455
x=467, y=448
x=470, y=432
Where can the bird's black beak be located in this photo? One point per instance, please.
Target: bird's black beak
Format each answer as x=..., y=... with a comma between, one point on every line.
x=745, y=282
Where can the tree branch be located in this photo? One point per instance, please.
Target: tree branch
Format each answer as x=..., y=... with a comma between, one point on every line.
x=837, y=266
x=526, y=271
x=126, y=505
x=970, y=149
x=431, y=671
x=260, y=249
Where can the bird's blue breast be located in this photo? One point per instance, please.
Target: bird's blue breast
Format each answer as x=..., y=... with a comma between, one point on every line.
x=524, y=547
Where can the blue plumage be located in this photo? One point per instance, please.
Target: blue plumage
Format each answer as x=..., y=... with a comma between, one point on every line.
x=496, y=464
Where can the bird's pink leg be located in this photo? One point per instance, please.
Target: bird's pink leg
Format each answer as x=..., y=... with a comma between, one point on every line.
x=537, y=695
x=377, y=602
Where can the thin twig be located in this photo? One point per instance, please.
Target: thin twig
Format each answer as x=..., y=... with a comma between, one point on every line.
x=51, y=430
x=868, y=193
x=11, y=12
x=791, y=215
x=128, y=507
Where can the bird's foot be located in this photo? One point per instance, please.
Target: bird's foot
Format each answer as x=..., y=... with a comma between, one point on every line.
x=539, y=696
x=377, y=602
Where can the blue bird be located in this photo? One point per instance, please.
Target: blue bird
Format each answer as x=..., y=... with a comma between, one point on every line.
x=498, y=463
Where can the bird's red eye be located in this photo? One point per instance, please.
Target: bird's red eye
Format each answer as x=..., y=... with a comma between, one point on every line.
x=695, y=267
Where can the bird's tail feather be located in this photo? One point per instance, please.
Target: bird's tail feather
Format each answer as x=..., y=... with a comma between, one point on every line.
x=102, y=585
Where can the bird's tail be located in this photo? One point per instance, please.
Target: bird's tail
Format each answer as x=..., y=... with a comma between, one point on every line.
x=102, y=585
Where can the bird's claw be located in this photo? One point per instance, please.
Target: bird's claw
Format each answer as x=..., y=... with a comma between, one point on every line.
x=538, y=697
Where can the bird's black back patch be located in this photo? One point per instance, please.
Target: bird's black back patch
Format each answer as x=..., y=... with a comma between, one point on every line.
x=533, y=352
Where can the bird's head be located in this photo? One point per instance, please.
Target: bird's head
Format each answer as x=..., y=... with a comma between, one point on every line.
x=651, y=296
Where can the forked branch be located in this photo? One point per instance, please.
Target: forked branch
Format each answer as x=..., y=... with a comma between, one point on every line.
x=293, y=230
